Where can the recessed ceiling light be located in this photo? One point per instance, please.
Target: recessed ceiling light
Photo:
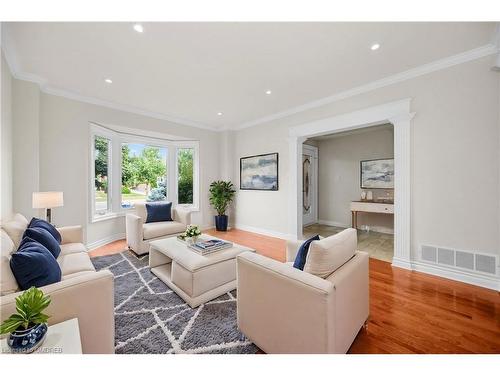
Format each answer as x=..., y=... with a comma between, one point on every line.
x=107, y=80
x=268, y=92
x=219, y=113
x=138, y=27
x=375, y=46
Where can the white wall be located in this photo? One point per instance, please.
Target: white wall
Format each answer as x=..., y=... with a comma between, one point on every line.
x=455, y=157
x=338, y=176
x=6, y=141
x=25, y=116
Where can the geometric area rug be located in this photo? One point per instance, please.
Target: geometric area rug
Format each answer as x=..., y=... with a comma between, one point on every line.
x=151, y=319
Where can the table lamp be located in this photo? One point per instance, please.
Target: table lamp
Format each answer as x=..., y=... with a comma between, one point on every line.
x=48, y=200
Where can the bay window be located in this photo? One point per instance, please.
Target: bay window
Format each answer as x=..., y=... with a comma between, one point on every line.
x=127, y=169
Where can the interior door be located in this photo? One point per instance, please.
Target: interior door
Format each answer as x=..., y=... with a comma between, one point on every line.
x=309, y=184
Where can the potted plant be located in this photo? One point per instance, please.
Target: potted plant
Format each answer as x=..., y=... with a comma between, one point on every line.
x=192, y=233
x=28, y=326
x=221, y=196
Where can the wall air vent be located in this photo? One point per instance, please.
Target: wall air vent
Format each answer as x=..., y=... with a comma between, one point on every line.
x=429, y=253
x=459, y=259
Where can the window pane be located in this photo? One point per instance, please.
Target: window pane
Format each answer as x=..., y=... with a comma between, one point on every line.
x=185, y=175
x=101, y=161
x=144, y=170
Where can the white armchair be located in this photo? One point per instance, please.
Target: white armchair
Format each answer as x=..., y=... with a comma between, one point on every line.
x=286, y=310
x=140, y=234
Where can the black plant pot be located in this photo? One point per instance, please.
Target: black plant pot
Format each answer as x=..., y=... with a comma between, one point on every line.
x=221, y=223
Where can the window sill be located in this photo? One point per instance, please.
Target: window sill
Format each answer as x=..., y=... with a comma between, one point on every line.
x=109, y=216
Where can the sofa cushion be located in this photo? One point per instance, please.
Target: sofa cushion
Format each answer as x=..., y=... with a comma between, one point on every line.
x=8, y=283
x=40, y=223
x=72, y=247
x=45, y=238
x=15, y=228
x=300, y=259
x=327, y=255
x=34, y=265
x=165, y=228
x=73, y=263
x=159, y=211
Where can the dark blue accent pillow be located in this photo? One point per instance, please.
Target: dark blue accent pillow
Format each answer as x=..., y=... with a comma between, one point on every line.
x=39, y=223
x=34, y=265
x=159, y=211
x=300, y=259
x=45, y=238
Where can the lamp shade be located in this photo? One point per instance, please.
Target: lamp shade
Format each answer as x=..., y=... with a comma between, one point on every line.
x=48, y=199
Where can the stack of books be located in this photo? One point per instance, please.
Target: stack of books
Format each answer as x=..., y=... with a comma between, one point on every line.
x=210, y=246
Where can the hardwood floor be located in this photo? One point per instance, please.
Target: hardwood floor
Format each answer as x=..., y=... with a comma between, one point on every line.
x=410, y=312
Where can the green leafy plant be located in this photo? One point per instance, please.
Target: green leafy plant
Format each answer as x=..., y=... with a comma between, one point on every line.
x=221, y=195
x=29, y=307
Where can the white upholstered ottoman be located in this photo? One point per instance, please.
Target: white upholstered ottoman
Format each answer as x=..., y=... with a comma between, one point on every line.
x=195, y=278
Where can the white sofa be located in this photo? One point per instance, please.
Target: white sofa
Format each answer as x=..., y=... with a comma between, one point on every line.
x=140, y=234
x=285, y=310
x=82, y=292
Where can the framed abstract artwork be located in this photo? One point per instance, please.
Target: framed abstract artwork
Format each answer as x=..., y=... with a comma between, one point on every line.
x=259, y=172
x=377, y=174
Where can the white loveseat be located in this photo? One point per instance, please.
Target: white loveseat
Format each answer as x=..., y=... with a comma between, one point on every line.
x=285, y=310
x=82, y=292
x=140, y=234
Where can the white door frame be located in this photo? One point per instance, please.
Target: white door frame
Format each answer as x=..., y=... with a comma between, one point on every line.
x=398, y=114
x=314, y=204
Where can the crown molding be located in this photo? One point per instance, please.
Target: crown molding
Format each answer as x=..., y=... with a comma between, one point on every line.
x=45, y=87
x=447, y=62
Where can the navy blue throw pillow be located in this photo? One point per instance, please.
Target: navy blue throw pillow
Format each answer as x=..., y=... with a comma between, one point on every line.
x=39, y=223
x=45, y=238
x=300, y=259
x=159, y=211
x=34, y=265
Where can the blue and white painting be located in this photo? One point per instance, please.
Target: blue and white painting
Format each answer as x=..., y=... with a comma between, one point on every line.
x=259, y=172
x=377, y=174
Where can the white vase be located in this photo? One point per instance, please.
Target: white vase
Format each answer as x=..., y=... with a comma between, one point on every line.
x=369, y=195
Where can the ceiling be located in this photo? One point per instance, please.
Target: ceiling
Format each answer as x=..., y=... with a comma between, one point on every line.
x=192, y=71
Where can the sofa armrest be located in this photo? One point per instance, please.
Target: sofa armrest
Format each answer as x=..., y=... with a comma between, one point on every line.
x=134, y=231
x=88, y=297
x=292, y=248
x=351, y=283
x=182, y=215
x=283, y=309
x=71, y=234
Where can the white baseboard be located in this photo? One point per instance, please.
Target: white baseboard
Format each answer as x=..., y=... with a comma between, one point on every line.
x=262, y=231
x=333, y=223
x=484, y=281
x=344, y=225
x=105, y=241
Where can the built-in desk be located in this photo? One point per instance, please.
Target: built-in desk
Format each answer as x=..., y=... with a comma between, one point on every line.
x=369, y=206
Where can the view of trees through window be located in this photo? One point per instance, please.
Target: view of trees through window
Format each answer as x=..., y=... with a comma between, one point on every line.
x=101, y=161
x=144, y=171
x=185, y=175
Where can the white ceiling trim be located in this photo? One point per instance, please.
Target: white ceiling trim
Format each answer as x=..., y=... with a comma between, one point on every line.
x=447, y=62
x=45, y=87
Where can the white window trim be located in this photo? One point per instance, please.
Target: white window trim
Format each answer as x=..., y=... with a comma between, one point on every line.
x=101, y=132
x=195, y=206
x=114, y=170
